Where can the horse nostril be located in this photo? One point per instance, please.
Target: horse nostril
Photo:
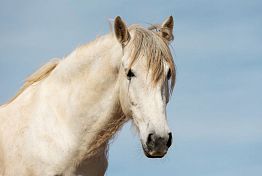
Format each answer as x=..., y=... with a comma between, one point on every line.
x=169, y=142
x=149, y=138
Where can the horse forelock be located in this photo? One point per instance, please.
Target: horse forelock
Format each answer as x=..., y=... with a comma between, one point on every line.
x=148, y=43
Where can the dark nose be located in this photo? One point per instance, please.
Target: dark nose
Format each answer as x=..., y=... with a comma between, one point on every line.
x=158, y=145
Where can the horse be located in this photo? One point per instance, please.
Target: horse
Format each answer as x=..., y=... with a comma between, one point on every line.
x=63, y=117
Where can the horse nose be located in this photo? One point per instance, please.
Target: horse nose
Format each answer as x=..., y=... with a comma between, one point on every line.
x=154, y=140
x=157, y=145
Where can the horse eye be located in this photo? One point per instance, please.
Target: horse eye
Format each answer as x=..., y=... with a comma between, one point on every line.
x=130, y=74
x=168, y=74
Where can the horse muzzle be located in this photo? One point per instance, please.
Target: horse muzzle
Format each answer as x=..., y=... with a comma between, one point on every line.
x=157, y=146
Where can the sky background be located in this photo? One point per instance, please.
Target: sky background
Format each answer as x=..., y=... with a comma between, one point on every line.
x=216, y=109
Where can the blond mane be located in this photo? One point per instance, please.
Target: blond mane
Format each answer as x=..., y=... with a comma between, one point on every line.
x=108, y=132
x=39, y=75
x=149, y=43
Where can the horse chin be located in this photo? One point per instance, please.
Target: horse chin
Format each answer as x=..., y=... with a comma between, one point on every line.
x=153, y=154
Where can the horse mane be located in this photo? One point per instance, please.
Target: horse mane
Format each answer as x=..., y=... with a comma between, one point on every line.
x=103, y=136
x=108, y=132
x=39, y=75
x=149, y=43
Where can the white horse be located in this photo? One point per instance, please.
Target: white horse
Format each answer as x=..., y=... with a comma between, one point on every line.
x=61, y=120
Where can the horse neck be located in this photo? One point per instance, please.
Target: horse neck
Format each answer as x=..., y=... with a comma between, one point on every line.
x=88, y=83
x=102, y=54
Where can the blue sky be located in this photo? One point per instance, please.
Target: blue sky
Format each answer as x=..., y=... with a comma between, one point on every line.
x=216, y=109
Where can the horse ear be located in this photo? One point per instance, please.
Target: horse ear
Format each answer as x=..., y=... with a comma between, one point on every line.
x=167, y=29
x=121, y=31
